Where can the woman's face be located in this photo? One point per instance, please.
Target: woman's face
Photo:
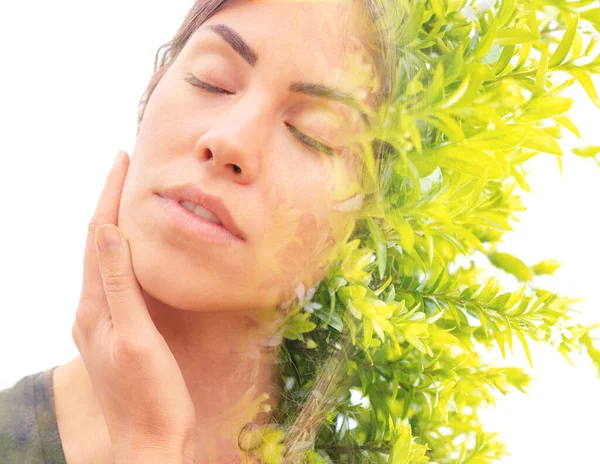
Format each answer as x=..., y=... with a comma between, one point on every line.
x=244, y=145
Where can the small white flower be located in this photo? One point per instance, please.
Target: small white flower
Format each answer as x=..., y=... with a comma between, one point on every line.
x=300, y=291
x=555, y=337
x=310, y=307
x=289, y=383
x=469, y=13
x=560, y=330
x=485, y=5
x=310, y=293
x=305, y=298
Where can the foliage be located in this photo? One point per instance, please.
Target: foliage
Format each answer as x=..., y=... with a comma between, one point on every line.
x=382, y=359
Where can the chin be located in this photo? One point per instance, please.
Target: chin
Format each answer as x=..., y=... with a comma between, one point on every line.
x=201, y=290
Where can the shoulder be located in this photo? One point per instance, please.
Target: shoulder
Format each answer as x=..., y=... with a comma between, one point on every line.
x=28, y=430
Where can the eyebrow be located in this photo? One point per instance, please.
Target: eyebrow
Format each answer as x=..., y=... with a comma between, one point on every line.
x=250, y=56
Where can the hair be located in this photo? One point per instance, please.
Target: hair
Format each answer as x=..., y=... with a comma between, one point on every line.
x=380, y=41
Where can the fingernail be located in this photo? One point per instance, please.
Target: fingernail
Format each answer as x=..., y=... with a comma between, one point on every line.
x=107, y=237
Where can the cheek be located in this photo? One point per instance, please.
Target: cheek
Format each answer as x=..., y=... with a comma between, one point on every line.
x=302, y=255
x=304, y=231
x=170, y=120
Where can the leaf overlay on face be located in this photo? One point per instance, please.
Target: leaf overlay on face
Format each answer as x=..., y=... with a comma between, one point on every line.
x=405, y=305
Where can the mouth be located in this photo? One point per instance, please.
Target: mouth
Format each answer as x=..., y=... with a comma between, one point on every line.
x=200, y=211
x=208, y=208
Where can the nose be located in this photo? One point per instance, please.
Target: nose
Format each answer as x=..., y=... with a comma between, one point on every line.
x=235, y=141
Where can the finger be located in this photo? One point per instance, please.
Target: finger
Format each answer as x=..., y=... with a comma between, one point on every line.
x=127, y=306
x=107, y=212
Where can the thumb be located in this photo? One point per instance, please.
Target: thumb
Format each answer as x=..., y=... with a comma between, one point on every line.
x=121, y=287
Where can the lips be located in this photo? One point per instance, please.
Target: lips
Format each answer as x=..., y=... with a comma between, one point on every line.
x=190, y=192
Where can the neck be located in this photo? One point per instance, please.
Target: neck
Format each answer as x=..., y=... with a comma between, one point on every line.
x=227, y=359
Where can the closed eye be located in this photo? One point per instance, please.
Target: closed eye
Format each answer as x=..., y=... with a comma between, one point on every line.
x=309, y=142
x=206, y=86
x=303, y=138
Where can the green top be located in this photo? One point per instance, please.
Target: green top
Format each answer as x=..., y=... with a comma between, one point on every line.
x=28, y=427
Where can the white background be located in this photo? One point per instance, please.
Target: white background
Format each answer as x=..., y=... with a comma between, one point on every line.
x=71, y=77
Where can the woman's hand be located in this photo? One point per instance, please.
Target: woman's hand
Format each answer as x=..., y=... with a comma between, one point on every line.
x=147, y=407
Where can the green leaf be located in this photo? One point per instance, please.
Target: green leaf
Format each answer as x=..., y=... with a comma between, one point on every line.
x=516, y=36
x=548, y=266
x=367, y=334
x=577, y=45
x=565, y=44
x=593, y=16
x=506, y=11
x=512, y=265
x=457, y=95
x=523, y=54
x=540, y=140
x=298, y=325
x=567, y=123
x=507, y=54
x=435, y=90
x=542, y=73
x=469, y=291
x=588, y=85
x=524, y=345
x=588, y=151
x=470, y=161
x=593, y=352
x=453, y=64
x=401, y=448
x=380, y=246
x=591, y=46
x=544, y=107
x=504, y=138
x=447, y=125
x=405, y=231
x=486, y=42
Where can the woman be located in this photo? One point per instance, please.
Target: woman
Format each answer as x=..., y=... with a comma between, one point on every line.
x=178, y=323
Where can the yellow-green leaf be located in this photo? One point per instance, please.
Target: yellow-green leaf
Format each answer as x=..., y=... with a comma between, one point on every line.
x=407, y=234
x=588, y=85
x=567, y=123
x=565, y=44
x=509, y=136
x=512, y=265
x=542, y=73
x=470, y=161
x=592, y=15
x=540, y=140
x=589, y=151
x=512, y=36
x=548, y=266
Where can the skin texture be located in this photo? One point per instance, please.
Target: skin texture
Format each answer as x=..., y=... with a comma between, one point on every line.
x=215, y=305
